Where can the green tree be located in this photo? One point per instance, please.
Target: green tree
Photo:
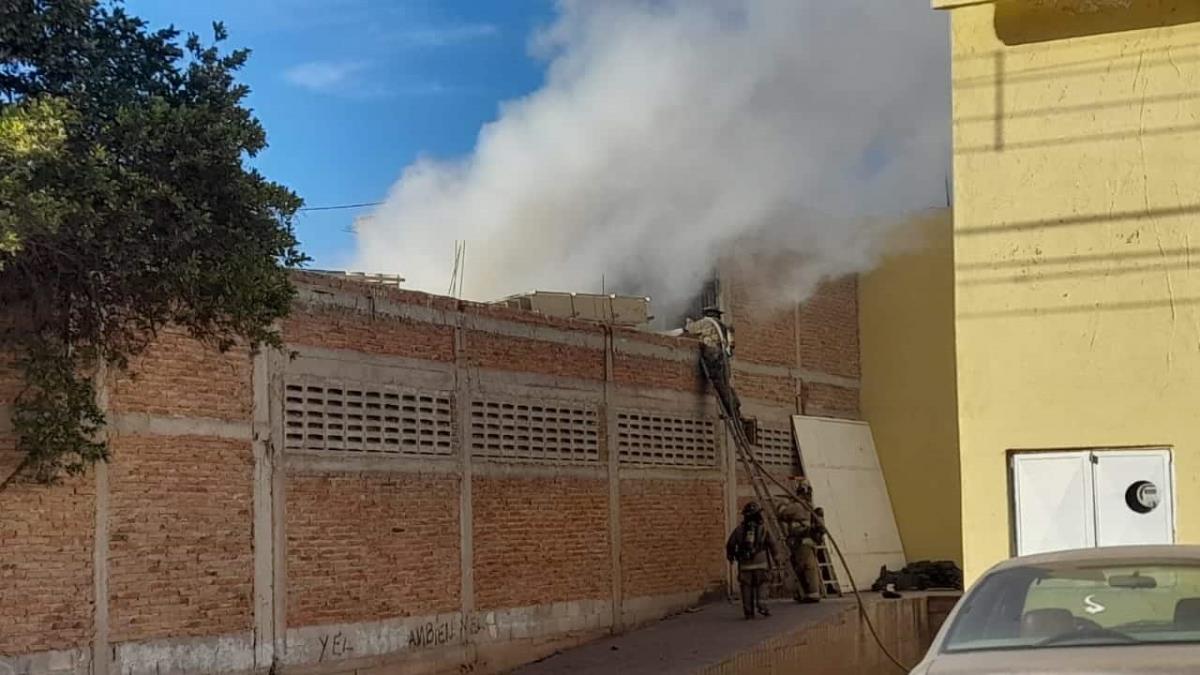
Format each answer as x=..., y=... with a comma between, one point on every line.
x=125, y=205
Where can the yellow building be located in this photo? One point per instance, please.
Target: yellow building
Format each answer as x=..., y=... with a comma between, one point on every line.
x=906, y=329
x=1077, y=192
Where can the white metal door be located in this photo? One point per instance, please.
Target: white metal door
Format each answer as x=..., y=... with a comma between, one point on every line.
x=1082, y=499
x=1134, y=500
x=1054, y=506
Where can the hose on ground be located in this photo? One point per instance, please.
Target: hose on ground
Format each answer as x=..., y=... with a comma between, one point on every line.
x=862, y=608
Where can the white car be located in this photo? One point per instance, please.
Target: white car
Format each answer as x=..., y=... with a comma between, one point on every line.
x=1130, y=609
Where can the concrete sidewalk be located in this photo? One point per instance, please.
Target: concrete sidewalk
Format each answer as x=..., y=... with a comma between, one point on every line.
x=687, y=642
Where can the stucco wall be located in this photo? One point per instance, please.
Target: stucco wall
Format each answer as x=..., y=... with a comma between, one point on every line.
x=906, y=312
x=1077, y=189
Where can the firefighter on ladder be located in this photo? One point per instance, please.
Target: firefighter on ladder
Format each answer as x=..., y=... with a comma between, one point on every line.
x=804, y=533
x=716, y=348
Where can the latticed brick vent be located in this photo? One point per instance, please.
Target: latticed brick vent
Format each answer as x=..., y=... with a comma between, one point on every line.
x=552, y=432
x=775, y=447
x=360, y=417
x=665, y=440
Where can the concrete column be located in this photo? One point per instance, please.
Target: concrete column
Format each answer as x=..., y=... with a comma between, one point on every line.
x=101, y=652
x=610, y=452
x=729, y=460
x=466, y=515
x=273, y=455
x=263, y=510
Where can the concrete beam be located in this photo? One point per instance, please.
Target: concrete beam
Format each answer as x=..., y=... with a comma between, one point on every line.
x=374, y=305
x=142, y=424
x=751, y=368
x=503, y=469
x=323, y=461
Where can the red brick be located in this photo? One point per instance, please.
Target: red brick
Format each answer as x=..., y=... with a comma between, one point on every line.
x=369, y=547
x=348, y=329
x=829, y=329
x=827, y=400
x=540, y=540
x=768, y=388
x=764, y=332
x=672, y=536
x=46, y=548
x=658, y=373
x=180, y=376
x=181, y=561
x=501, y=352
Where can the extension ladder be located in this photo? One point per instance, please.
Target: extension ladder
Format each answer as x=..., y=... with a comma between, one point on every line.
x=761, y=481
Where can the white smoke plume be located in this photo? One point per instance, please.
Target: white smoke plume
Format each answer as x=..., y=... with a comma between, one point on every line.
x=666, y=130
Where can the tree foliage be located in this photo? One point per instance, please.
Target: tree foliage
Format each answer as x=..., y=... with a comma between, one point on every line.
x=126, y=204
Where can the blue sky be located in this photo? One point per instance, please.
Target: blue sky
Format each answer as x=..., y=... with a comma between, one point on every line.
x=351, y=91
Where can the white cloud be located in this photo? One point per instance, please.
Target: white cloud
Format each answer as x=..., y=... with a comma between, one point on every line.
x=324, y=76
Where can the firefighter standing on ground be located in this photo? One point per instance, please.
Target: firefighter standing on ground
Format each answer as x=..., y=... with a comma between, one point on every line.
x=751, y=546
x=803, y=533
x=716, y=348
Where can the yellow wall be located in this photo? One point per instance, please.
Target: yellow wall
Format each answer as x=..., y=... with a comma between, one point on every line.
x=906, y=315
x=1077, y=191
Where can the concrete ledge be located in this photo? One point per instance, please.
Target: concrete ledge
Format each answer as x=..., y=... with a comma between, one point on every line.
x=331, y=461
x=370, y=305
x=493, y=468
x=68, y=661
x=222, y=654
x=538, y=621
x=343, y=642
x=443, y=642
x=645, y=609
x=644, y=472
x=142, y=424
x=343, y=365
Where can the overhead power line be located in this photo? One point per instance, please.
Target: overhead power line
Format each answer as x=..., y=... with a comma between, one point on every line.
x=339, y=207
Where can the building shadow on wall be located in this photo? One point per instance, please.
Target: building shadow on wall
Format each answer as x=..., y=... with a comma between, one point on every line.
x=1022, y=22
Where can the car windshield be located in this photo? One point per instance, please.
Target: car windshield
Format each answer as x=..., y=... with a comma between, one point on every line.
x=1071, y=605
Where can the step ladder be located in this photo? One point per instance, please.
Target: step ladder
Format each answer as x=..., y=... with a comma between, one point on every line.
x=762, y=484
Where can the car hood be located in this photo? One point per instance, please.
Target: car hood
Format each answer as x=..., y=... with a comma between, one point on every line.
x=1112, y=660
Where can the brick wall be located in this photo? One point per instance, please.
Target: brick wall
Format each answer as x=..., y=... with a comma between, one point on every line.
x=362, y=547
x=180, y=541
x=829, y=329
x=827, y=400
x=672, y=536
x=764, y=332
x=822, y=332
x=384, y=543
x=46, y=548
x=502, y=352
x=540, y=540
x=642, y=371
x=47, y=538
x=339, y=328
x=770, y=388
x=179, y=376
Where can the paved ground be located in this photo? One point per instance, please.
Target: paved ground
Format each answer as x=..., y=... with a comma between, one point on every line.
x=683, y=643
